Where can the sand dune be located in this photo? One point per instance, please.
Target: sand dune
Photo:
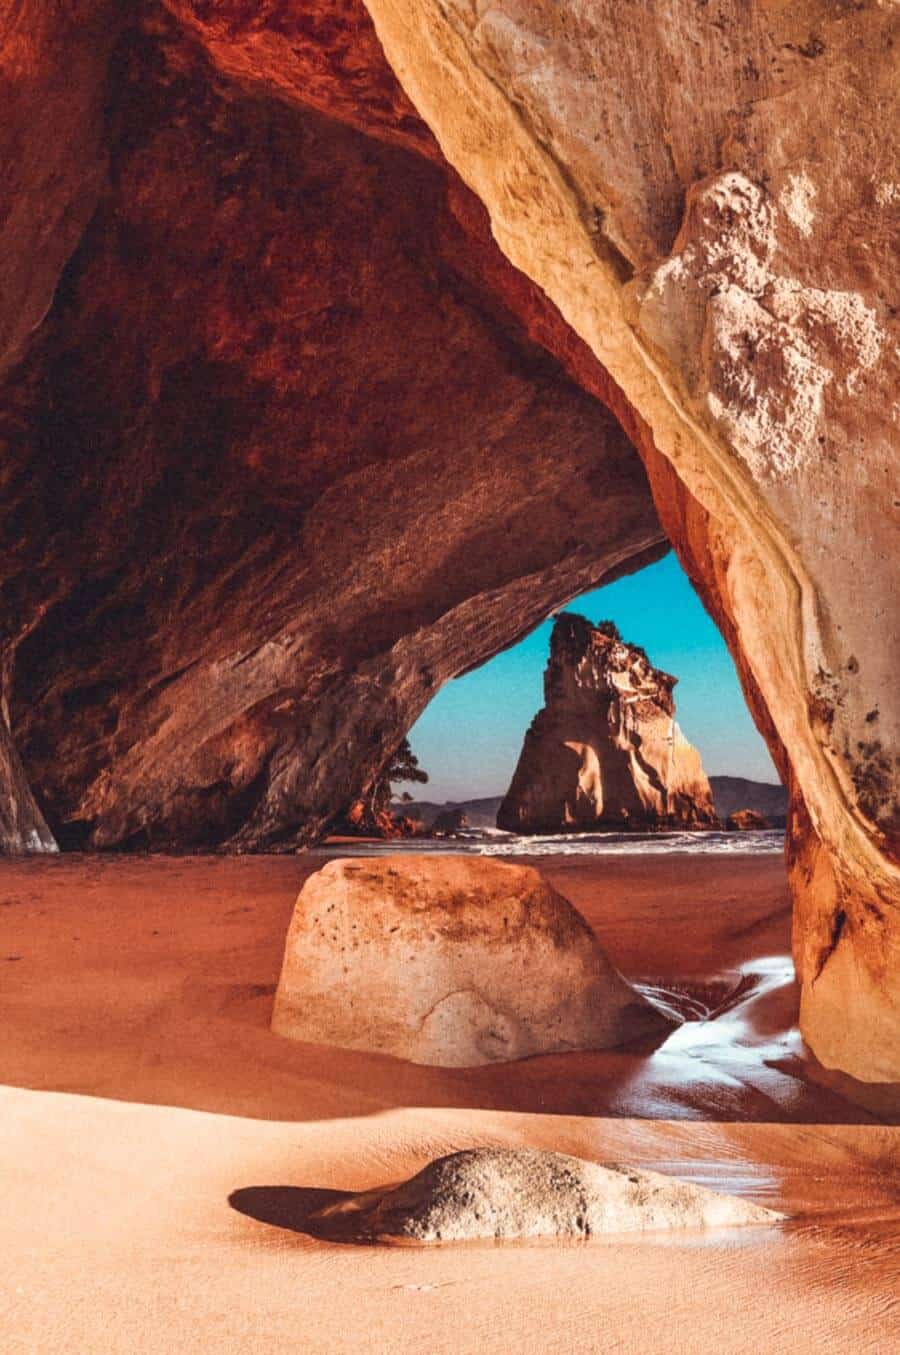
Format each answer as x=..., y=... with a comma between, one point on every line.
x=160, y=1148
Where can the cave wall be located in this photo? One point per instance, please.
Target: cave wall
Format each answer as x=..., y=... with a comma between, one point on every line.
x=23, y=827
x=707, y=195
x=53, y=64
x=276, y=465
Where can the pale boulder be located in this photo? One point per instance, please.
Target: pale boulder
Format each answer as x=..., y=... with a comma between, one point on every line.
x=512, y=1194
x=449, y=960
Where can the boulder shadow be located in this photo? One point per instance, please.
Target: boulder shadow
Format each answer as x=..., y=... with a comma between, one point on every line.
x=295, y=1208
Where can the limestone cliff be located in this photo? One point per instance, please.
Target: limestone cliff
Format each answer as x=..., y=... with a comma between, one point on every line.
x=605, y=751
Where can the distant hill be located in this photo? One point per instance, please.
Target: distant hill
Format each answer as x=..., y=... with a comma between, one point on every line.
x=730, y=793
x=480, y=813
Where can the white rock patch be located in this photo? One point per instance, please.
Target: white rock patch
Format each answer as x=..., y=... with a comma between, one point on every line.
x=796, y=201
x=771, y=345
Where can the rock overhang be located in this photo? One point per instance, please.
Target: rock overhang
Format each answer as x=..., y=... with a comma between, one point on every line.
x=759, y=226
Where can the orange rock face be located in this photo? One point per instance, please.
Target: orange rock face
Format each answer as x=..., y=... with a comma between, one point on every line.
x=52, y=151
x=744, y=820
x=323, y=54
x=258, y=460
x=605, y=751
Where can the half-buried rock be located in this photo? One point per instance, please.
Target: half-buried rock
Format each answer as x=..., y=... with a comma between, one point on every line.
x=449, y=960
x=508, y=1193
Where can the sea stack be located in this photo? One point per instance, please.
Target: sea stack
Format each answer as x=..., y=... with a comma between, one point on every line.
x=605, y=751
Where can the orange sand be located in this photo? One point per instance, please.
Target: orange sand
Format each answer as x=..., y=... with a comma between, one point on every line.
x=143, y=1088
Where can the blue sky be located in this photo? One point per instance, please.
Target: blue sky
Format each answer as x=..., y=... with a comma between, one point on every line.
x=469, y=738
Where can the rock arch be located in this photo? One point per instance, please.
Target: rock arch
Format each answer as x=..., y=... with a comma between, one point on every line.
x=281, y=458
x=215, y=607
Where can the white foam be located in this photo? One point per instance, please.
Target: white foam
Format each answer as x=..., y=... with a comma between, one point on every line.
x=493, y=842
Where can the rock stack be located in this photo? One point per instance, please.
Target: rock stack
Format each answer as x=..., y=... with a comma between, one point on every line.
x=605, y=752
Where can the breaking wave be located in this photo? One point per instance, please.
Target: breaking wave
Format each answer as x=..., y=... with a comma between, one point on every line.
x=493, y=842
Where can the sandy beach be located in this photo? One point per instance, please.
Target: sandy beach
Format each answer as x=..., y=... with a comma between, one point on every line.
x=161, y=1148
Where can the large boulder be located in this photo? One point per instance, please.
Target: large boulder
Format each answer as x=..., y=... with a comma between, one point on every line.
x=509, y=1193
x=449, y=960
x=606, y=750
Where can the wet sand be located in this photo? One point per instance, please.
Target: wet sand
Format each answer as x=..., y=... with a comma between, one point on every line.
x=142, y=1089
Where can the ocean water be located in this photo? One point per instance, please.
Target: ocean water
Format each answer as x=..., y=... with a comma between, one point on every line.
x=493, y=842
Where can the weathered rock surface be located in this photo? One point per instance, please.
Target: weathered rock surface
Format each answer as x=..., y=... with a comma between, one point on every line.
x=22, y=825
x=52, y=154
x=606, y=750
x=507, y=1194
x=449, y=960
x=745, y=820
x=359, y=821
x=707, y=194
x=259, y=461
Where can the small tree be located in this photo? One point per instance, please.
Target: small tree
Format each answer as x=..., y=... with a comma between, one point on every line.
x=403, y=765
x=371, y=813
